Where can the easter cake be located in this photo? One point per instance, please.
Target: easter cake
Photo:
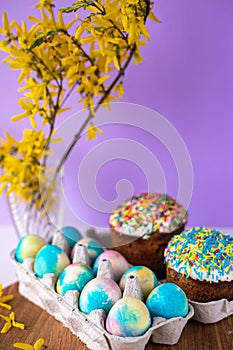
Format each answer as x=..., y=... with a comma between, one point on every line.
x=142, y=226
x=200, y=261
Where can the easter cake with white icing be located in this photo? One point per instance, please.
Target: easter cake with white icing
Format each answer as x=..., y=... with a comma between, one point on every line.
x=200, y=261
x=142, y=226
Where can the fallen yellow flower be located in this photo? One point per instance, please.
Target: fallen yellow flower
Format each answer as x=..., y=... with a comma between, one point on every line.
x=10, y=322
x=4, y=299
x=37, y=346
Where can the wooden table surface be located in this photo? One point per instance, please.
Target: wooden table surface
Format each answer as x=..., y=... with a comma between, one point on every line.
x=39, y=324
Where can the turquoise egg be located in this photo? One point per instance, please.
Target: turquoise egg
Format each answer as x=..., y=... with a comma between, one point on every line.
x=28, y=247
x=167, y=300
x=118, y=262
x=94, y=248
x=71, y=234
x=99, y=293
x=74, y=277
x=50, y=259
x=129, y=317
x=146, y=278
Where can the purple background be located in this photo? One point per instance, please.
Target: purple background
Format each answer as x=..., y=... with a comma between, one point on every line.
x=187, y=76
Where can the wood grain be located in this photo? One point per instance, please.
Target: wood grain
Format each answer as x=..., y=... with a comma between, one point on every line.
x=38, y=324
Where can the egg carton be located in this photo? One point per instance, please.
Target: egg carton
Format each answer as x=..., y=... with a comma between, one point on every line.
x=212, y=311
x=90, y=329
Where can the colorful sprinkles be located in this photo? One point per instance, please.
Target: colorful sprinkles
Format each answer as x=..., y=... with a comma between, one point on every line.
x=146, y=213
x=201, y=253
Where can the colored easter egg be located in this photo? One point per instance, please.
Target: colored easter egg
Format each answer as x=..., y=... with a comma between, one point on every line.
x=167, y=300
x=50, y=259
x=94, y=248
x=74, y=277
x=146, y=278
x=99, y=293
x=129, y=317
x=118, y=262
x=28, y=247
x=71, y=234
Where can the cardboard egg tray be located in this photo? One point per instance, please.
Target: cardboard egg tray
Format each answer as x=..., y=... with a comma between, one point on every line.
x=90, y=328
x=213, y=311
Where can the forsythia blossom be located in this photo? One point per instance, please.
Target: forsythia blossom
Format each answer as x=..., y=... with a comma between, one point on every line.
x=88, y=55
x=21, y=161
x=10, y=322
x=4, y=299
x=91, y=132
x=37, y=346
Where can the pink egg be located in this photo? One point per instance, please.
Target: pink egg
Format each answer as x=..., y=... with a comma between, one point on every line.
x=118, y=262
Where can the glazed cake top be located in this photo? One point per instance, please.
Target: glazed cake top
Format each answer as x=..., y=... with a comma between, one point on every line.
x=146, y=213
x=202, y=254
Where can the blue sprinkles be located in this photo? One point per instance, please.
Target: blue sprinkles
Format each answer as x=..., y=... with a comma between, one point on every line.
x=203, y=251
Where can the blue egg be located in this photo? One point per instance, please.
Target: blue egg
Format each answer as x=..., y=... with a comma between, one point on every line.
x=50, y=259
x=99, y=293
x=167, y=300
x=71, y=234
x=74, y=277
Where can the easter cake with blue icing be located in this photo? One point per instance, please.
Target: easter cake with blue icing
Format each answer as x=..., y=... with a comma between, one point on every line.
x=200, y=261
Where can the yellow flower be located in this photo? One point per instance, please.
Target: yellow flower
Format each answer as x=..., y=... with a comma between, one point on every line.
x=4, y=299
x=22, y=163
x=6, y=25
x=119, y=89
x=91, y=132
x=153, y=17
x=32, y=144
x=88, y=55
x=37, y=346
x=43, y=3
x=10, y=322
x=8, y=144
